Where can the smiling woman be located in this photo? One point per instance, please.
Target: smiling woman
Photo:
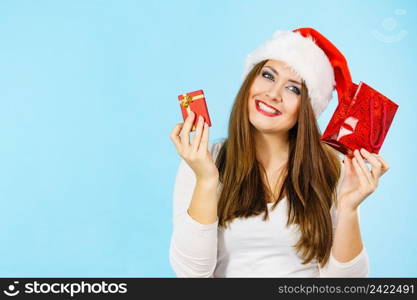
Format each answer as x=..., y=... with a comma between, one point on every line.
x=274, y=99
x=270, y=207
x=285, y=149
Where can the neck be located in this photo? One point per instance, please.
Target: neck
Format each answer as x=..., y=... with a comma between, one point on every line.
x=272, y=149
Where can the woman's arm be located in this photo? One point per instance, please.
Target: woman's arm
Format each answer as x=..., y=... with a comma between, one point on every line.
x=203, y=206
x=348, y=256
x=193, y=249
x=347, y=242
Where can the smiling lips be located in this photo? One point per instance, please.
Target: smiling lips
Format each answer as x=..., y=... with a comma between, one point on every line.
x=266, y=109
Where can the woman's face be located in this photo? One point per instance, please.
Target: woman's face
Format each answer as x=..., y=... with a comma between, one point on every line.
x=274, y=98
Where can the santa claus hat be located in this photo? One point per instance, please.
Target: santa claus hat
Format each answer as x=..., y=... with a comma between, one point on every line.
x=313, y=57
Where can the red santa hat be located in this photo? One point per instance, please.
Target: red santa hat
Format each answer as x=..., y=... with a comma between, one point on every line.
x=313, y=57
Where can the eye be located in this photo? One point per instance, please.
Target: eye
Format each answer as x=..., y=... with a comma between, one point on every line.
x=295, y=90
x=266, y=74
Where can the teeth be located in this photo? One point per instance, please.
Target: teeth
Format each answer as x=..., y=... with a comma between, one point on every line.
x=266, y=108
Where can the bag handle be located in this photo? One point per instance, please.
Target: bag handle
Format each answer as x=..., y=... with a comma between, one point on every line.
x=384, y=123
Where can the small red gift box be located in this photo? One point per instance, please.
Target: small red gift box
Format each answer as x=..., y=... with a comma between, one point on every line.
x=361, y=120
x=196, y=102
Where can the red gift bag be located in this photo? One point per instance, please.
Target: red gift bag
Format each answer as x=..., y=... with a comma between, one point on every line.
x=361, y=120
x=196, y=102
x=363, y=117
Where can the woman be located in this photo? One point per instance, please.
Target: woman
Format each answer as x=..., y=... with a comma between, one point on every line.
x=272, y=200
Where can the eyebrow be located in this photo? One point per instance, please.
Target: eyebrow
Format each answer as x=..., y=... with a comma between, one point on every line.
x=276, y=73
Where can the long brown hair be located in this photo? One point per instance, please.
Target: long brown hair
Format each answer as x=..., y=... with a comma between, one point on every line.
x=309, y=177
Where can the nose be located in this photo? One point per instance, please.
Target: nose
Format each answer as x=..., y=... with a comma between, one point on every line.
x=275, y=92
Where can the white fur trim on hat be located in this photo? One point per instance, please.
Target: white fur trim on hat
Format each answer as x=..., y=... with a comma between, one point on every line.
x=303, y=56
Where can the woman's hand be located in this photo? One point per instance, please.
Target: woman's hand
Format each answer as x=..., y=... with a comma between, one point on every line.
x=196, y=155
x=359, y=182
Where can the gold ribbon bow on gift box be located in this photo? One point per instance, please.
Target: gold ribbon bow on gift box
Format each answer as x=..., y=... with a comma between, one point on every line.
x=186, y=102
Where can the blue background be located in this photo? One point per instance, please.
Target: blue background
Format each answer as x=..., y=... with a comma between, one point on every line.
x=88, y=98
